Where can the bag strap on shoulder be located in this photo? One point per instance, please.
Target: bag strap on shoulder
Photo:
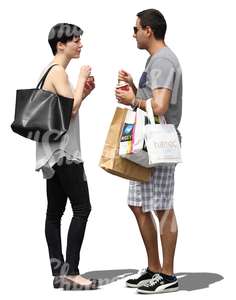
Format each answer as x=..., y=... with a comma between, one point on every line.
x=42, y=80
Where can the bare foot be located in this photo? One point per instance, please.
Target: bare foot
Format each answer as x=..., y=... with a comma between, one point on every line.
x=79, y=279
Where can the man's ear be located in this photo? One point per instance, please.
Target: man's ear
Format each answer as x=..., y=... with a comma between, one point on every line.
x=149, y=31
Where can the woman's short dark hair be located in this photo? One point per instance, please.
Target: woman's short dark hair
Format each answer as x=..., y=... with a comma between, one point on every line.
x=63, y=32
x=154, y=19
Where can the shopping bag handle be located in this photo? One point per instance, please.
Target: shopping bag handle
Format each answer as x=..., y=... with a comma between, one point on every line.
x=150, y=113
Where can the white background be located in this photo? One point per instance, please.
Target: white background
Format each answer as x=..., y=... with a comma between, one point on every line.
x=202, y=34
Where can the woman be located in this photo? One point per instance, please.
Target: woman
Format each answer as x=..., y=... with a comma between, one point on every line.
x=62, y=165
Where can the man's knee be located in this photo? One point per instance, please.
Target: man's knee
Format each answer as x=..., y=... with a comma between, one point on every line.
x=165, y=214
x=167, y=221
x=138, y=211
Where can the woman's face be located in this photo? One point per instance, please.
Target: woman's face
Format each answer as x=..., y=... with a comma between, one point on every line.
x=73, y=48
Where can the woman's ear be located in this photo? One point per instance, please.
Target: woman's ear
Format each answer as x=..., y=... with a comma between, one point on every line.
x=60, y=46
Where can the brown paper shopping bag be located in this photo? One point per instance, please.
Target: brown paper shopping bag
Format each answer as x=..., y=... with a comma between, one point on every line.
x=112, y=162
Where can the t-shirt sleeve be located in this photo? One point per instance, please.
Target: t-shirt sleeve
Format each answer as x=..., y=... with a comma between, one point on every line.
x=162, y=74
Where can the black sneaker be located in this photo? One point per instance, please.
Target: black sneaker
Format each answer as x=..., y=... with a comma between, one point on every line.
x=145, y=276
x=160, y=283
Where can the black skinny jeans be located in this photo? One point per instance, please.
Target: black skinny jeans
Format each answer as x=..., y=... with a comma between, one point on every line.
x=68, y=181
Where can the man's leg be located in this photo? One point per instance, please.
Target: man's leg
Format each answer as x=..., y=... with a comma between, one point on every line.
x=148, y=232
x=168, y=234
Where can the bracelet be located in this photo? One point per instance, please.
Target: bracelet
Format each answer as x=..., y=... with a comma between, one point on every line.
x=134, y=103
x=139, y=103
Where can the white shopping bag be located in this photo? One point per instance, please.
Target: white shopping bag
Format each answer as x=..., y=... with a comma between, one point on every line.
x=161, y=140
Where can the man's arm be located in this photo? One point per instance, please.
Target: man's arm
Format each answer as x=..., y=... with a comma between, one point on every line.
x=162, y=76
x=160, y=101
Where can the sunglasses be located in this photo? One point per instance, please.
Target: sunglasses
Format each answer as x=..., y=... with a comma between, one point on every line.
x=136, y=29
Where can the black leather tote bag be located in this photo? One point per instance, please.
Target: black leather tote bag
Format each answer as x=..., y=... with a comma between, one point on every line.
x=41, y=115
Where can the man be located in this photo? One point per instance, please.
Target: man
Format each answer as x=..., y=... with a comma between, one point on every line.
x=62, y=164
x=161, y=81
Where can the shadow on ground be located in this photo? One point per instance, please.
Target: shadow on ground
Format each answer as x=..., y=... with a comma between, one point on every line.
x=187, y=281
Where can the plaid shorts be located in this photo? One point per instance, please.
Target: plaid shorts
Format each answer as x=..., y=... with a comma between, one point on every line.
x=157, y=194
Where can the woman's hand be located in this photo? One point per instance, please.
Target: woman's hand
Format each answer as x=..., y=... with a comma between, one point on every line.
x=85, y=72
x=89, y=86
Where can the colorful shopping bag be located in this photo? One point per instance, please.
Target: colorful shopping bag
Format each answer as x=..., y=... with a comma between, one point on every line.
x=111, y=161
x=132, y=142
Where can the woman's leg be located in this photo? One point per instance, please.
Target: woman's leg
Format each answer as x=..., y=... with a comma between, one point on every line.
x=56, y=206
x=74, y=183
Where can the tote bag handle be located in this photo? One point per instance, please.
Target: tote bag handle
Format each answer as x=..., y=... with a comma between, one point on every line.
x=150, y=114
x=41, y=82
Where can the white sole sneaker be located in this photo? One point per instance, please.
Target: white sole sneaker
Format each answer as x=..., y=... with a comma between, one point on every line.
x=159, y=290
x=141, y=283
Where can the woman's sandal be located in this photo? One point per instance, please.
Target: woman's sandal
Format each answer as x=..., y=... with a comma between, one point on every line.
x=69, y=284
x=58, y=282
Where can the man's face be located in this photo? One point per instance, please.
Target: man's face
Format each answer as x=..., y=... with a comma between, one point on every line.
x=72, y=48
x=140, y=35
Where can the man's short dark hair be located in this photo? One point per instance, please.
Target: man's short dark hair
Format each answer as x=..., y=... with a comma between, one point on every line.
x=63, y=32
x=154, y=19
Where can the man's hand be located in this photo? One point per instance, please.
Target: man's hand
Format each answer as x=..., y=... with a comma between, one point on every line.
x=125, y=76
x=125, y=97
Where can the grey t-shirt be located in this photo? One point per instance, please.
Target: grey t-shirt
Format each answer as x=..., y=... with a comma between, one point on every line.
x=163, y=70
